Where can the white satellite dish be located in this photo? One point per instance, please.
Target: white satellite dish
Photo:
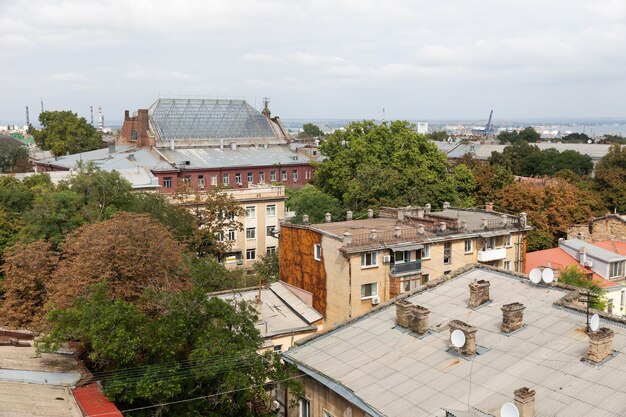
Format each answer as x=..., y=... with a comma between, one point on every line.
x=594, y=323
x=509, y=410
x=457, y=338
x=547, y=275
x=535, y=275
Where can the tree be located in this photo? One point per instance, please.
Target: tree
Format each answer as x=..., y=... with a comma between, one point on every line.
x=27, y=269
x=576, y=138
x=552, y=204
x=465, y=185
x=268, y=267
x=313, y=202
x=611, y=178
x=370, y=165
x=196, y=346
x=574, y=275
x=130, y=252
x=528, y=135
x=310, y=130
x=512, y=156
x=550, y=161
x=64, y=132
x=439, y=136
x=176, y=218
x=489, y=180
x=13, y=158
x=206, y=273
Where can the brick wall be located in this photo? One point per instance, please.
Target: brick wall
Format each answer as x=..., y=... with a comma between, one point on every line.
x=135, y=129
x=603, y=228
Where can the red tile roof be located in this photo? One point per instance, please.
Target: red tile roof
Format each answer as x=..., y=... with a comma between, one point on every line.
x=614, y=246
x=92, y=401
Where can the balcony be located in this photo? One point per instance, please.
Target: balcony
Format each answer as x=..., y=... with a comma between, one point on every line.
x=491, y=255
x=406, y=267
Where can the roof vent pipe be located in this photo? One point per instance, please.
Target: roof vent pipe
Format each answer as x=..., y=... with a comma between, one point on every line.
x=349, y=215
x=172, y=147
x=397, y=231
x=484, y=222
x=370, y=213
x=328, y=217
x=582, y=255
x=221, y=143
x=233, y=146
x=442, y=226
x=373, y=234
x=420, y=212
x=525, y=402
x=420, y=229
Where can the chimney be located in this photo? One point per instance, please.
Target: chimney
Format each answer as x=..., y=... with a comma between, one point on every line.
x=600, y=345
x=523, y=219
x=489, y=206
x=349, y=215
x=403, y=313
x=172, y=145
x=111, y=148
x=512, y=317
x=370, y=213
x=446, y=205
x=420, y=212
x=126, y=115
x=373, y=234
x=525, y=401
x=131, y=157
x=233, y=146
x=397, y=231
x=305, y=218
x=469, y=348
x=484, y=222
x=442, y=226
x=479, y=293
x=400, y=215
x=420, y=229
x=347, y=238
x=582, y=255
x=419, y=324
x=464, y=225
x=328, y=217
x=505, y=219
x=427, y=208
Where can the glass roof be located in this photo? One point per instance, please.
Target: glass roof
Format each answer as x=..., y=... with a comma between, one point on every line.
x=208, y=119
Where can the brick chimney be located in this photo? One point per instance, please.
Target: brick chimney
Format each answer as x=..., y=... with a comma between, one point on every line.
x=469, y=348
x=479, y=293
x=412, y=316
x=419, y=324
x=600, y=345
x=525, y=401
x=328, y=217
x=582, y=255
x=489, y=206
x=403, y=313
x=512, y=317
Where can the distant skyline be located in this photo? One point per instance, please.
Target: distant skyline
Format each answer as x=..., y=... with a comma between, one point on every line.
x=420, y=60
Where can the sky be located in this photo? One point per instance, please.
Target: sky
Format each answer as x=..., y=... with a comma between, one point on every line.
x=417, y=59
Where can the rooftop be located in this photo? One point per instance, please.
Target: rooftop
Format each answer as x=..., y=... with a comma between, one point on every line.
x=388, y=371
x=483, y=150
x=593, y=250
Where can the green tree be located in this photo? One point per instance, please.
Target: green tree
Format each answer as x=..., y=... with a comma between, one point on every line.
x=370, y=165
x=512, y=156
x=611, y=178
x=465, y=185
x=64, y=132
x=528, y=135
x=176, y=218
x=53, y=215
x=268, y=267
x=550, y=161
x=574, y=275
x=313, y=202
x=310, y=130
x=439, y=136
x=13, y=158
x=575, y=138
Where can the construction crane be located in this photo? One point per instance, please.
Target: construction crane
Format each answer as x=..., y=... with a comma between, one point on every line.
x=489, y=128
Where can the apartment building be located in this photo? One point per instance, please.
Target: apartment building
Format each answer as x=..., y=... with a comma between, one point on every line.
x=350, y=266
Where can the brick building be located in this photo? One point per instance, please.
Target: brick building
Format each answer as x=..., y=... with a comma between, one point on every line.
x=609, y=227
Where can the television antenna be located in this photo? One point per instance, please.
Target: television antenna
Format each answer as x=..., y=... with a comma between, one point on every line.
x=457, y=338
x=547, y=275
x=509, y=410
x=594, y=323
x=535, y=275
x=587, y=298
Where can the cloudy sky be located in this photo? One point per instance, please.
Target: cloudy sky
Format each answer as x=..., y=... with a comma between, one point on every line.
x=420, y=59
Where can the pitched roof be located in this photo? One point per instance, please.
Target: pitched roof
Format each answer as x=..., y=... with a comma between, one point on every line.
x=593, y=250
x=391, y=372
x=615, y=246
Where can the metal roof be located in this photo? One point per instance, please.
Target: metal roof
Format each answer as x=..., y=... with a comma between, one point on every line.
x=398, y=374
x=592, y=250
x=193, y=120
x=483, y=150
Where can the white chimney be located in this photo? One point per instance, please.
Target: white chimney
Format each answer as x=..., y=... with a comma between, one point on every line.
x=370, y=213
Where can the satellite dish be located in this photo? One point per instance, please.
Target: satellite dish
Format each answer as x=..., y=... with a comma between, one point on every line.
x=509, y=410
x=535, y=275
x=547, y=275
x=457, y=338
x=594, y=323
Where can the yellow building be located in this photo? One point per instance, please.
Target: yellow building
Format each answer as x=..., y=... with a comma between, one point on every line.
x=350, y=266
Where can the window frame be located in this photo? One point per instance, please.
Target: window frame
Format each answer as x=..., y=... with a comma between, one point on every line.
x=447, y=253
x=273, y=176
x=304, y=408
x=214, y=180
x=251, y=251
x=167, y=182
x=294, y=175
x=372, y=286
x=230, y=235
x=237, y=177
x=508, y=241
x=225, y=178
x=426, y=252
x=262, y=177
x=250, y=212
x=250, y=177
x=284, y=175
x=507, y=265
x=317, y=251
x=250, y=233
x=267, y=210
x=373, y=262
x=269, y=229
x=616, y=269
x=270, y=250
x=201, y=182
x=471, y=246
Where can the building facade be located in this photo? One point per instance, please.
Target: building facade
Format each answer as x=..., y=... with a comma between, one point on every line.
x=349, y=267
x=609, y=227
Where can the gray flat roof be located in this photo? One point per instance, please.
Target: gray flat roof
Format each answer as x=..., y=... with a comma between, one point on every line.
x=593, y=250
x=398, y=374
x=483, y=151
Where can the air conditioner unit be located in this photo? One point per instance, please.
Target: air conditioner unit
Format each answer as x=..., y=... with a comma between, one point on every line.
x=588, y=264
x=386, y=259
x=376, y=300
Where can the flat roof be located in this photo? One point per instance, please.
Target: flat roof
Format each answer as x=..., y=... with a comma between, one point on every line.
x=396, y=374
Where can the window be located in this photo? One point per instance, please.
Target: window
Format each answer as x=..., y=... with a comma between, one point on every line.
x=250, y=177
x=262, y=177
x=187, y=179
x=278, y=348
x=426, y=251
x=250, y=212
x=447, y=253
x=270, y=210
x=270, y=250
x=317, y=251
x=250, y=254
x=490, y=243
x=201, y=182
x=133, y=136
x=251, y=233
x=283, y=175
x=469, y=245
x=270, y=230
x=294, y=175
x=401, y=256
x=230, y=234
x=369, y=259
x=305, y=408
x=508, y=241
x=507, y=265
x=272, y=175
x=425, y=278
x=225, y=179
x=167, y=182
x=408, y=284
x=213, y=180
x=307, y=174
x=369, y=290
x=616, y=269
x=238, y=177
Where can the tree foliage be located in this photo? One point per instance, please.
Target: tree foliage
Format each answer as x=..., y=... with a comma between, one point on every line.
x=528, y=135
x=576, y=138
x=529, y=161
x=63, y=131
x=574, y=275
x=313, y=202
x=611, y=178
x=310, y=130
x=13, y=158
x=369, y=165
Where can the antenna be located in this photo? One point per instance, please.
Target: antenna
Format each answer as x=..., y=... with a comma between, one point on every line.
x=91, y=111
x=535, y=275
x=457, y=338
x=594, y=323
x=509, y=410
x=27, y=117
x=41, y=104
x=384, y=119
x=547, y=275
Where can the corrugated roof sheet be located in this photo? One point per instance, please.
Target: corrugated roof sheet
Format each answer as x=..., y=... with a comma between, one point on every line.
x=380, y=364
